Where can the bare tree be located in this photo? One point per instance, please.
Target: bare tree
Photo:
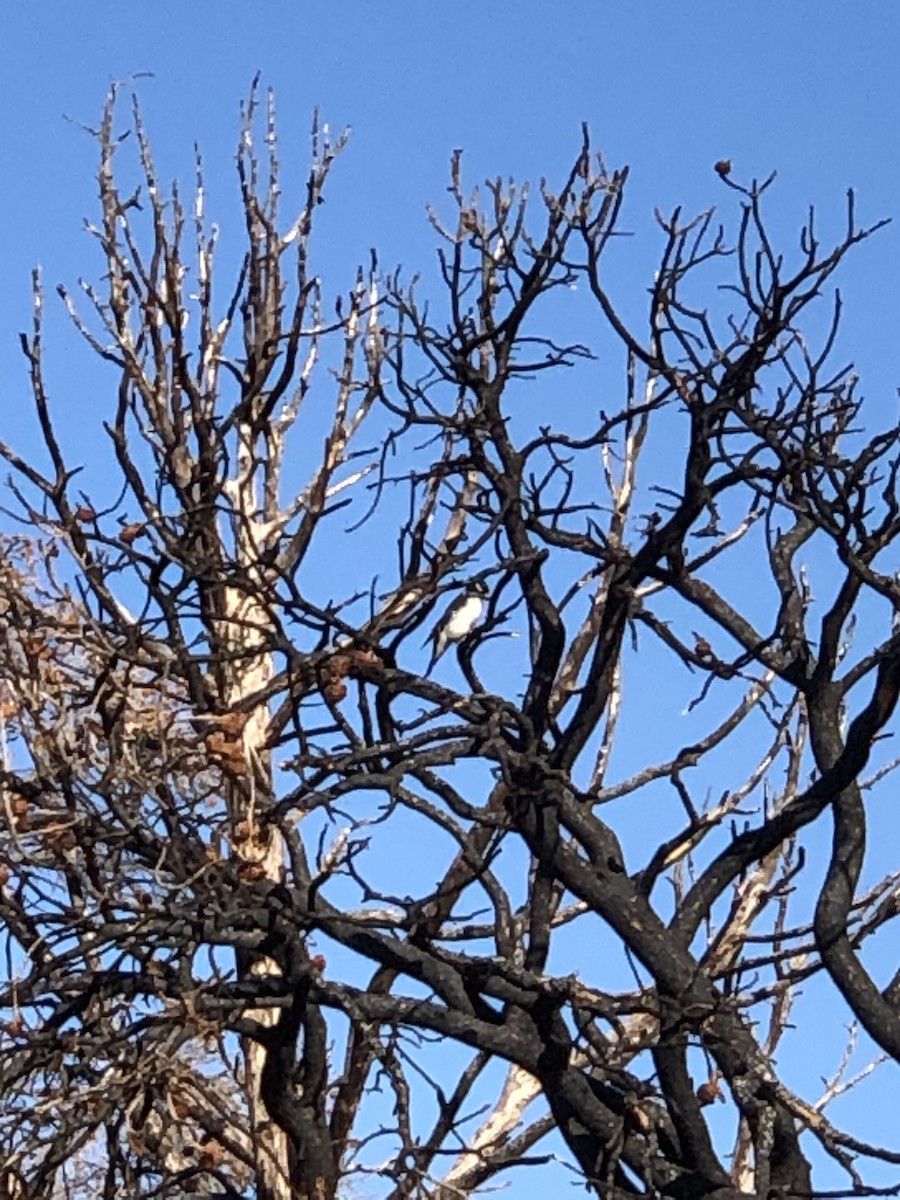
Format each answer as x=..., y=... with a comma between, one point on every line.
x=227, y=768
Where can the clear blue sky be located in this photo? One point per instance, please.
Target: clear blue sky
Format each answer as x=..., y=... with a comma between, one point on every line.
x=810, y=88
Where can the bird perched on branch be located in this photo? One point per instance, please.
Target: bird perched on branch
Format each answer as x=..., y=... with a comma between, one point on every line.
x=458, y=621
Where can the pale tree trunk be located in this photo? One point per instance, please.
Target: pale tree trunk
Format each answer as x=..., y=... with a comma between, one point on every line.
x=260, y=848
x=246, y=636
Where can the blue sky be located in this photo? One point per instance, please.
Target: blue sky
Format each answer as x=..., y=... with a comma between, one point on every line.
x=810, y=88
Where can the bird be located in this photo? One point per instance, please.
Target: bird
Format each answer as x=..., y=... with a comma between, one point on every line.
x=458, y=621
x=702, y=648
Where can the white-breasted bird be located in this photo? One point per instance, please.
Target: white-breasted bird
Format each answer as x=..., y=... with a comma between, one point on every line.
x=459, y=620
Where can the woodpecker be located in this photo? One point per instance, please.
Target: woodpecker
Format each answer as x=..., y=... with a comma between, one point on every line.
x=459, y=620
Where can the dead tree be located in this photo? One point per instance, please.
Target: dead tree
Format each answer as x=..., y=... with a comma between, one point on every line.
x=227, y=770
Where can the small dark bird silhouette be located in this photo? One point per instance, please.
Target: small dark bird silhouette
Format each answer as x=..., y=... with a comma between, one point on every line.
x=702, y=648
